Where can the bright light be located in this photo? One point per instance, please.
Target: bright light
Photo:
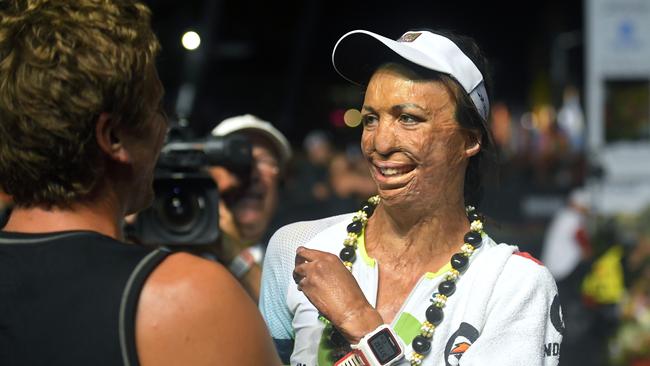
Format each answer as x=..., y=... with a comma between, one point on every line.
x=191, y=40
x=352, y=117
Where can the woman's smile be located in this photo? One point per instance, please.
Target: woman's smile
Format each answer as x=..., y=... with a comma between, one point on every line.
x=390, y=175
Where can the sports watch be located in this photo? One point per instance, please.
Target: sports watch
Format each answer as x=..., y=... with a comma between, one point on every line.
x=242, y=263
x=381, y=347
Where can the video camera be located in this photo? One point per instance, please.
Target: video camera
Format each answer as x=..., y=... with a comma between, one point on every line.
x=185, y=210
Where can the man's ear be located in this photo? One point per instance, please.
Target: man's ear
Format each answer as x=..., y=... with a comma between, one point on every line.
x=107, y=135
x=472, y=143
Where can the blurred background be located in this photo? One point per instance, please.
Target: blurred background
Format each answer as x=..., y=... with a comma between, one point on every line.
x=570, y=116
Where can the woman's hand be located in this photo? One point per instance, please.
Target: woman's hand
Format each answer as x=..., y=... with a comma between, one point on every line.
x=332, y=289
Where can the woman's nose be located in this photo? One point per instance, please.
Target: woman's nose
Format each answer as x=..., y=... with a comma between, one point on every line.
x=385, y=138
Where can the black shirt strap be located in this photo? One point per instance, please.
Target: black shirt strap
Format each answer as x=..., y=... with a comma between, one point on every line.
x=129, y=303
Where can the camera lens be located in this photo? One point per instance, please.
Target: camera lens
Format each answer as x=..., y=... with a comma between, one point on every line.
x=180, y=210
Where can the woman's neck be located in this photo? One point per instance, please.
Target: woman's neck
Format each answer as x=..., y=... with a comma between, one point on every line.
x=425, y=239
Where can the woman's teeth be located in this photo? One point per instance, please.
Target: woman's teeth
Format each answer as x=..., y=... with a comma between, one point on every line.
x=392, y=171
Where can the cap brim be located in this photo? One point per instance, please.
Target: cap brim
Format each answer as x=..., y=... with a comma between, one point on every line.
x=359, y=53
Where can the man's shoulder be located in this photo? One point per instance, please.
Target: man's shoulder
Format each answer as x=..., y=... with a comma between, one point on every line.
x=192, y=310
x=190, y=275
x=187, y=293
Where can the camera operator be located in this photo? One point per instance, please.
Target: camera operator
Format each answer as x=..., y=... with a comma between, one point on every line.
x=81, y=131
x=248, y=202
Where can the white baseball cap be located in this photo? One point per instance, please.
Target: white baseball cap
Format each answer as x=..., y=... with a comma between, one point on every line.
x=358, y=53
x=248, y=122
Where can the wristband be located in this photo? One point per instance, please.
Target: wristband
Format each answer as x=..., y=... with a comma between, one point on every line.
x=351, y=359
x=242, y=263
x=381, y=347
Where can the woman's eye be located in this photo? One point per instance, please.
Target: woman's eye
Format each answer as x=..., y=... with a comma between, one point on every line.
x=368, y=119
x=408, y=118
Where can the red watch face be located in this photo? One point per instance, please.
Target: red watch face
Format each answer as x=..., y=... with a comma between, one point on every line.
x=384, y=346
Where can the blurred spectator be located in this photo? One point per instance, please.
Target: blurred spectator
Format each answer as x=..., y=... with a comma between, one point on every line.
x=248, y=204
x=571, y=119
x=308, y=193
x=325, y=181
x=502, y=130
x=349, y=176
x=566, y=244
x=550, y=147
x=313, y=175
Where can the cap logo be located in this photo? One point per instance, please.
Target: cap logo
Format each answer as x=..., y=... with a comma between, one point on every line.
x=409, y=37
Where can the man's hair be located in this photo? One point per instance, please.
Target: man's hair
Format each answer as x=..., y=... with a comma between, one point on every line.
x=62, y=64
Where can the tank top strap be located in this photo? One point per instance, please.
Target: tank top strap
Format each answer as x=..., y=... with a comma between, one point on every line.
x=129, y=303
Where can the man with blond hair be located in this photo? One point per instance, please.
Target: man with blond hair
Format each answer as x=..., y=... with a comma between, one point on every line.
x=81, y=131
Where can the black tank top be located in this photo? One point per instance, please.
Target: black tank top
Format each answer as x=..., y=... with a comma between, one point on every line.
x=70, y=298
